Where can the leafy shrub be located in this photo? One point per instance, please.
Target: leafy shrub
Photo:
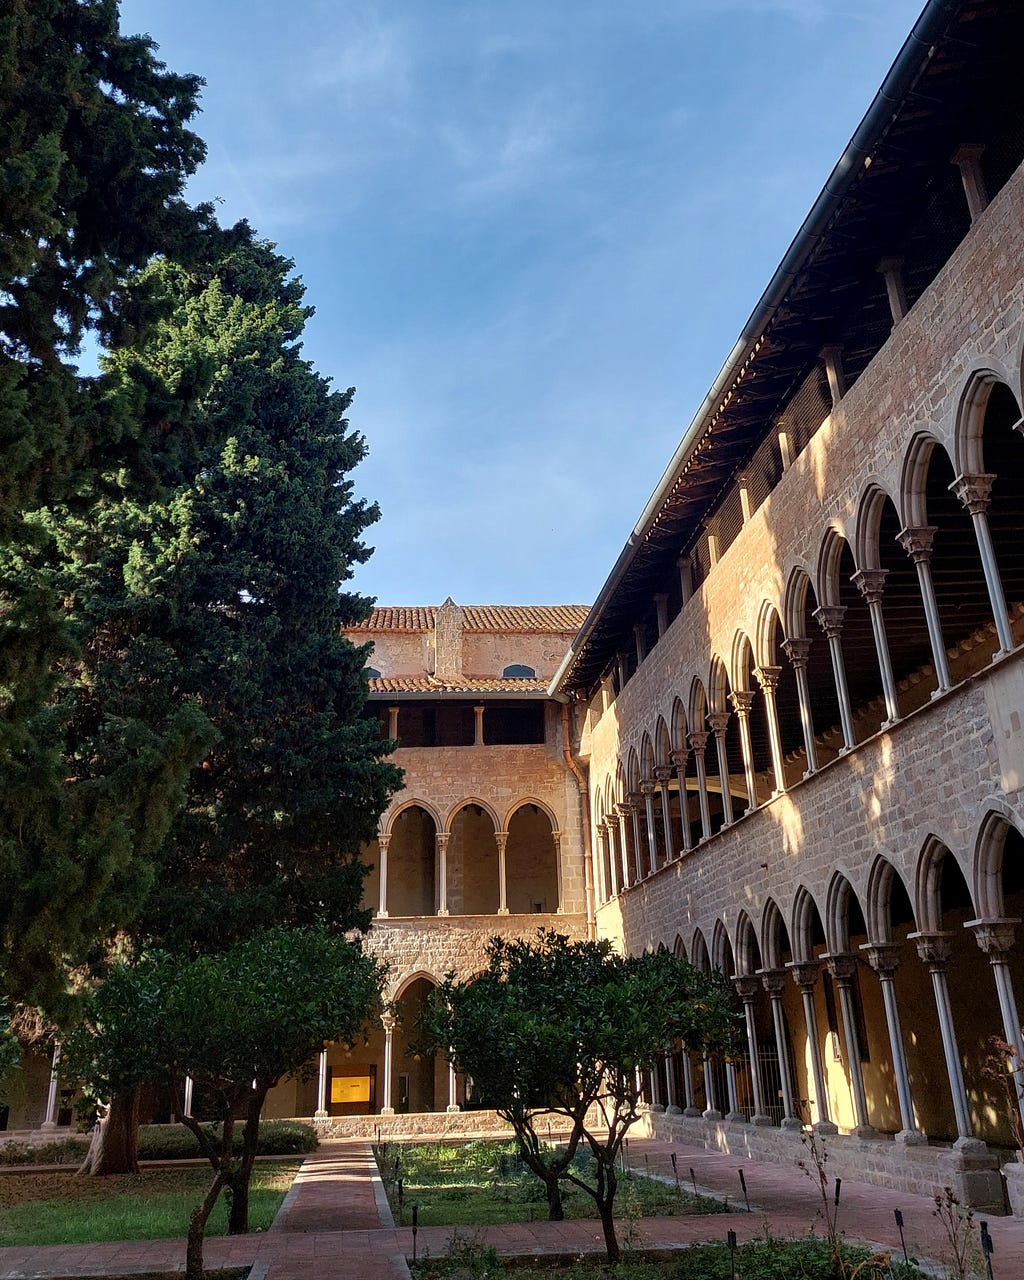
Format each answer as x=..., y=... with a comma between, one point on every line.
x=62, y=1151
x=175, y=1142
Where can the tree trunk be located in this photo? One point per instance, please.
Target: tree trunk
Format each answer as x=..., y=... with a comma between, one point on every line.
x=119, y=1139
x=552, y=1185
x=604, y=1207
x=238, y=1214
x=197, y=1230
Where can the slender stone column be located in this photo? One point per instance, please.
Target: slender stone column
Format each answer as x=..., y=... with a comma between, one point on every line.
x=768, y=679
x=453, y=1105
x=613, y=857
x=798, y=651
x=393, y=722
x=600, y=844
x=805, y=975
x=935, y=950
x=995, y=938
x=478, y=726
x=748, y=986
x=382, y=906
x=830, y=619
x=843, y=968
x=975, y=492
x=712, y=1110
x=442, y=838
x=661, y=607
x=687, y=1065
x=917, y=543
x=774, y=981
x=967, y=158
x=871, y=584
x=697, y=742
x=892, y=271
x=190, y=1089
x=679, y=760
x=884, y=958
x=661, y=776
x=734, y=1114
x=321, y=1088
x=501, y=840
x=635, y=800
x=388, y=1022
x=742, y=700
x=719, y=722
x=556, y=840
x=622, y=811
x=50, y=1118
x=671, y=1097
x=647, y=789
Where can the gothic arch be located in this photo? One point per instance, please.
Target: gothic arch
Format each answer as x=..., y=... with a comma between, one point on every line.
x=774, y=936
x=465, y=803
x=769, y=626
x=928, y=883
x=881, y=880
x=425, y=805
x=968, y=444
x=805, y=916
x=826, y=588
x=748, y=953
x=679, y=727
x=996, y=825
x=913, y=504
x=866, y=548
x=537, y=804
x=794, y=603
x=742, y=658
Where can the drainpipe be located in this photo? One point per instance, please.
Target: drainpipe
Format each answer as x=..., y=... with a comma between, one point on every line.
x=581, y=789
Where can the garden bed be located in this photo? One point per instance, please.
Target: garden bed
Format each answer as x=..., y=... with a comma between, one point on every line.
x=484, y=1182
x=60, y=1208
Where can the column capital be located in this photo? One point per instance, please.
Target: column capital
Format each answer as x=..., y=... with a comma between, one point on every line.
x=768, y=678
x=383, y=842
x=842, y=965
x=883, y=957
x=442, y=838
x=624, y=808
x=719, y=722
x=647, y=787
x=678, y=758
x=388, y=1022
x=742, y=700
x=501, y=840
x=871, y=583
x=994, y=936
x=662, y=774
x=635, y=801
x=601, y=828
x=797, y=650
x=974, y=491
x=805, y=973
x=917, y=542
x=774, y=981
x=698, y=741
x=747, y=986
x=934, y=949
x=830, y=618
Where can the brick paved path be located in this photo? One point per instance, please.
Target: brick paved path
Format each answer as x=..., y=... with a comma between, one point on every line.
x=334, y=1224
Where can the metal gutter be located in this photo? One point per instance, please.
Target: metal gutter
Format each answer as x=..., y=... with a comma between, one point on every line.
x=911, y=60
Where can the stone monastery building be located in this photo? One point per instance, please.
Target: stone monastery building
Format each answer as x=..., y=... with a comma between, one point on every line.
x=787, y=740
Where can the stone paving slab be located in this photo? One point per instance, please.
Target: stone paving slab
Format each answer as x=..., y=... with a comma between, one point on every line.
x=334, y=1226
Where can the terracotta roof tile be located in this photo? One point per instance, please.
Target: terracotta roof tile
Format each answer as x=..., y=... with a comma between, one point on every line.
x=465, y=684
x=558, y=618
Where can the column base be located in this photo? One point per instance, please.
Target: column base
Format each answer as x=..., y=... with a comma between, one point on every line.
x=673, y=1110
x=888, y=724
x=792, y=1124
x=911, y=1138
x=48, y=1126
x=452, y=1108
x=656, y=1108
x=387, y=1111
x=971, y=1147
x=382, y=915
x=320, y=1114
x=762, y=1122
x=864, y=1131
x=503, y=911
x=937, y=693
x=735, y=1117
x=442, y=911
x=711, y=1114
x=692, y=1113
x=825, y=1128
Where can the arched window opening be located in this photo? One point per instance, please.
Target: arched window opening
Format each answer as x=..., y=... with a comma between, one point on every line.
x=531, y=862
x=472, y=863
x=787, y=705
x=519, y=671
x=906, y=628
x=821, y=682
x=371, y=673
x=1003, y=446
x=760, y=742
x=421, y=1080
x=860, y=656
x=412, y=858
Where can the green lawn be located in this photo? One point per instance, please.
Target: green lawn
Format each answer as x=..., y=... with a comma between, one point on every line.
x=480, y=1183
x=58, y=1208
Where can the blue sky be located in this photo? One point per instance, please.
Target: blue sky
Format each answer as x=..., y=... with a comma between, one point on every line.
x=531, y=229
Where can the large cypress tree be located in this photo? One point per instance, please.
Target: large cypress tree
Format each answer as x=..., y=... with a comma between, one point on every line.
x=94, y=154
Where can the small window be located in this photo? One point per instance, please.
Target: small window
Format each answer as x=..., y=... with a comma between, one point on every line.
x=518, y=672
x=371, y=673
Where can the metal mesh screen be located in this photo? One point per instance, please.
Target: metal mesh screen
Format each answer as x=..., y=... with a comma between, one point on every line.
x=729, y=520
x=763, y=471
x=807, y=410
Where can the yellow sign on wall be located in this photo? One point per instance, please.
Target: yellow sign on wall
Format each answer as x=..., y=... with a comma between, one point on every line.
x=350, y=1088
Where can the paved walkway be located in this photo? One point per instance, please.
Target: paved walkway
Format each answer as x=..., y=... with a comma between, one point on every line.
x=335, y=1225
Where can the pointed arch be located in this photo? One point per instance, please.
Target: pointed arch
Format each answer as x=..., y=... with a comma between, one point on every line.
x=698, y=704
x=989, y=849
x=722, y=957
x=827, y=575
x=679, y=947
x=883, y=880
x=718, y=686
x=633, y=774
x=866, y=547
x=841, y=896
x=537, y=804
x=662, y=744
x=929, y=880
x=647, y=758
x=968, y=442
x=741, y=660
x=420, y=975
x=913, y=502
x=470, y=802
x=807, y=926
x=767, y=635
x=748, y=953
x=679, y=725
x=414, y=803
x=795, y=604
x=775, y=944
x=700, y=959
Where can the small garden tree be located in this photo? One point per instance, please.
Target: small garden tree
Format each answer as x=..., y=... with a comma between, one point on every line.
x=553, y=1027
x=236, y=1022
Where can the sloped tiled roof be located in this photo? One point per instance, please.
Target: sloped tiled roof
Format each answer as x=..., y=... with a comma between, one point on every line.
x=498, y=618
x=464, y=684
